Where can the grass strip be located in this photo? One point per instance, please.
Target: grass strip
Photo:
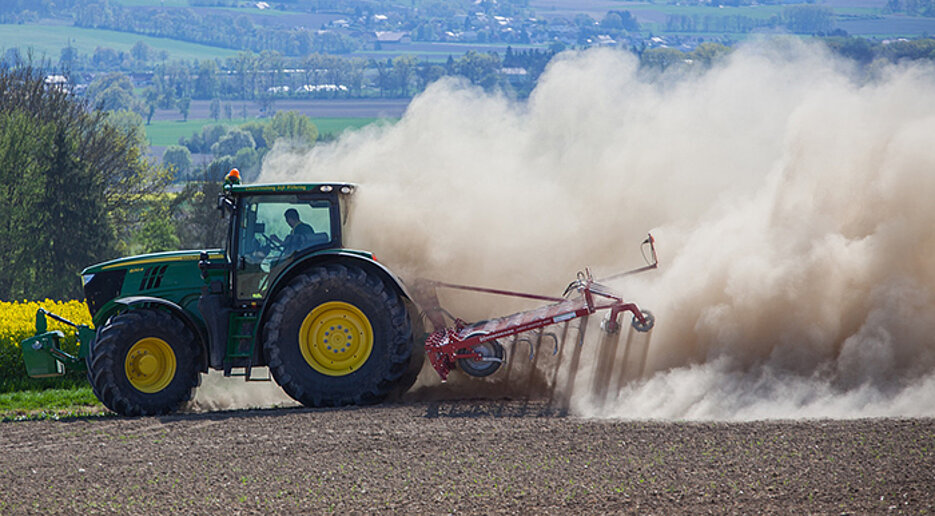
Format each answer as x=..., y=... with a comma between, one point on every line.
x=50, y=404
x=168, y=132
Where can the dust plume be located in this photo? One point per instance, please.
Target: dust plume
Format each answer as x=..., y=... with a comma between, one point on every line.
x=219, y=393
x=790, y=194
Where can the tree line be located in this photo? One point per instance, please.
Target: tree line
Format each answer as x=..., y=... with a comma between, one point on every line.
x=911, y=7
x=798, y=19
x=268, y=77
x=216, y=29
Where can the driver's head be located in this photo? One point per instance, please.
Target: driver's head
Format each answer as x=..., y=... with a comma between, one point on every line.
x=292, y=217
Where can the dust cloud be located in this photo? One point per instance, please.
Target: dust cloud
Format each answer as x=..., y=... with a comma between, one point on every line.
x=219, y=393
x=790, y=193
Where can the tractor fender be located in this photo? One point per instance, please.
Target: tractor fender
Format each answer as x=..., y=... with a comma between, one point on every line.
x=336, y=256
x=131, y=302
x=339, y=256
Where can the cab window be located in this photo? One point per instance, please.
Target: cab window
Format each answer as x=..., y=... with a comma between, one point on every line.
x=271, y=230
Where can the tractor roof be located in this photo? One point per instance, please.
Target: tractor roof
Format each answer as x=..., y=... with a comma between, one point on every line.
x=344, y=188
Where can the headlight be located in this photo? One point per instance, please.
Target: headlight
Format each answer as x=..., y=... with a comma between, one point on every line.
x=86, y=278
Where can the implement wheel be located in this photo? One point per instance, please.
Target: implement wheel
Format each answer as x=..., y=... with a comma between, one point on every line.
x=338, y=335
x=492, y=353
x=143, y=363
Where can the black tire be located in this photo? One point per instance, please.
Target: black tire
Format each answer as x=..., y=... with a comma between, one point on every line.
x=110, y=360
x=418, y=353
x=372, y=375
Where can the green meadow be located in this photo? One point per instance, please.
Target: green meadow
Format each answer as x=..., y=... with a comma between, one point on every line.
x=49, y=40
x=168, y=132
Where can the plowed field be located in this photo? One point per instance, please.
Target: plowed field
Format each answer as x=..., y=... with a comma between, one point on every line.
x=467, y=456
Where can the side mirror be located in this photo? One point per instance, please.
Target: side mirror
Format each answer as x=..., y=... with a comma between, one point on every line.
x=203, y=263
x=225, y=202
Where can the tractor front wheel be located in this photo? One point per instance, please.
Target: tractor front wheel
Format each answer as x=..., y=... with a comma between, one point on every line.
x=143, y=363
x=338, y=335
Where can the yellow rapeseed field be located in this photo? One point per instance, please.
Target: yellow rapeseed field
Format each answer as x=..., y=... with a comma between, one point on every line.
x=18, y=319
x=17, y=322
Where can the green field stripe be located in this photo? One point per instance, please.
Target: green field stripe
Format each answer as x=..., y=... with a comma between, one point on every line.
x=49, y=40
x=168, y=132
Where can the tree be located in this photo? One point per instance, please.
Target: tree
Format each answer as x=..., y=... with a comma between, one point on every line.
x=178, y=159
x=129, y=123
x=384, y=76
x=105, y=58
x=858, y=49
x=206, y=83
x=140, y=51
x=256, y=129
x=113, y=91
x=403, y=70
x=73, y=180
x=620, y=20
x=116, y=99
x=194, y=212
x=157, y=232
x=429, y=73
x=807, y=19
x=612, y=21
x=244, y=66
x=150, y=101
x=184, y=104
x=233, y=141
x=708, y=53
x=480, y=69
x=219, y=168
x=293, y=127
x=247, y=160
x=68, y=57
x=215, y=109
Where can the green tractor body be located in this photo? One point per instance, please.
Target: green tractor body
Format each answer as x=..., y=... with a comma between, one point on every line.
x=333, y=325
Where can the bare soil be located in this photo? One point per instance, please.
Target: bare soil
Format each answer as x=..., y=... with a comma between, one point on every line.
x=461, y=456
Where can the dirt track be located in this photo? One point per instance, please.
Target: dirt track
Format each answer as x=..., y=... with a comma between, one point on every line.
x=480, y=456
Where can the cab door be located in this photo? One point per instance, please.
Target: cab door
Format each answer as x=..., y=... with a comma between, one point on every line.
x=274, y=230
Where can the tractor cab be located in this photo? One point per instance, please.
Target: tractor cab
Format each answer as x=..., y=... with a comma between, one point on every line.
x=273, y=226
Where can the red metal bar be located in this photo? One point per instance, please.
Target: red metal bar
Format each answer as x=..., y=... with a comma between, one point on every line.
x=486, y=290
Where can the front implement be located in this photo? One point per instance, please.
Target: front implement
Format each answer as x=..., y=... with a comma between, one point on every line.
x=42, y=352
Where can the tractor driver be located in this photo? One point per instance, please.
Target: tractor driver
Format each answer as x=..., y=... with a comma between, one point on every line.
x=301, y=236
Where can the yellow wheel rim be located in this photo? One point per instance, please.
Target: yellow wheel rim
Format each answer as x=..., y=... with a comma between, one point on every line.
x=336, y=338
x=150, y=365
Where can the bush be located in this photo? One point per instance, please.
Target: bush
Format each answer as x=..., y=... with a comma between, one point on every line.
x=17, y=322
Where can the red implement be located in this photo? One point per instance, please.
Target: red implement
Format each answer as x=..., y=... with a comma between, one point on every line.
x=474, y=346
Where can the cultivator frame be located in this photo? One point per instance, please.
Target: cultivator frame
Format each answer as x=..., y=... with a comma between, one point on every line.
x=476, y=343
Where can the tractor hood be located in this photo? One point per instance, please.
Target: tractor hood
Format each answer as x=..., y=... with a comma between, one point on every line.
x=173, y=276
x=143, y=260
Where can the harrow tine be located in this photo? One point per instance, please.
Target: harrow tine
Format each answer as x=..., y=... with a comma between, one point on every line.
x=572, y=370
x=554, y=339
x=582, y=326
x=532, y=351
x=560, y=348
x=604, y=367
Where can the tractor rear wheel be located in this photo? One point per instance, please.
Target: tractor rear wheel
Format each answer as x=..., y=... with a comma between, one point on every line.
x=338, y=335
x=143, y=363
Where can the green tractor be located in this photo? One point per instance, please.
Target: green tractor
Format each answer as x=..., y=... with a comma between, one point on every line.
x=334, y=326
